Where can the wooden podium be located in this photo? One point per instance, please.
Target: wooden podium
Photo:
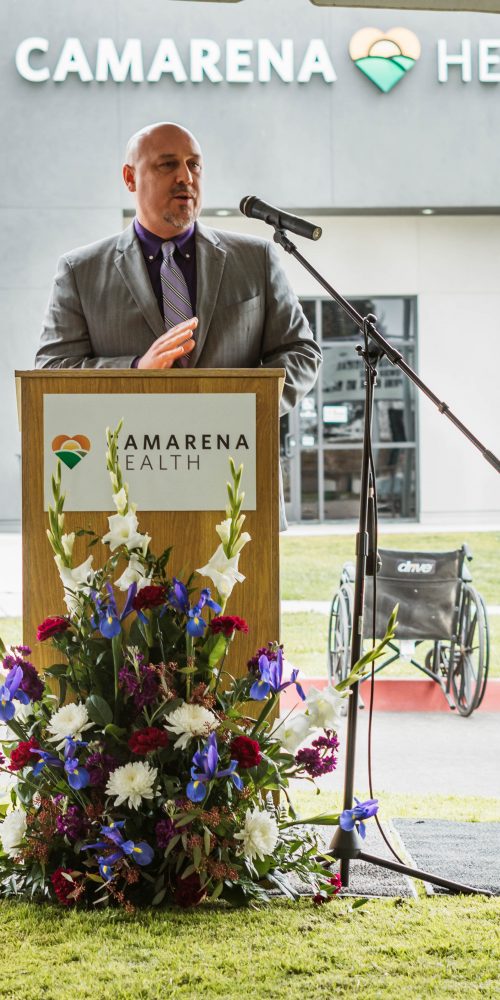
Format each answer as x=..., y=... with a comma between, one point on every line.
x=191, y=532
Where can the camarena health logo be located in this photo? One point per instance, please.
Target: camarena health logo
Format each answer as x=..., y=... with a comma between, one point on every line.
x=71, y=450
x=384, y=58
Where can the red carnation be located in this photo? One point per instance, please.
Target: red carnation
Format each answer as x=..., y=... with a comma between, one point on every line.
x=189, y=891
x=246, y=751
x=228, y=624
x=51, y=626
x=146, y=740
x=20, y=756
x=149, y=597
x=63, y=888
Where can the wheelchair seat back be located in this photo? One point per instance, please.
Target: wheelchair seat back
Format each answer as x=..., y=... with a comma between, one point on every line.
x=425, y=585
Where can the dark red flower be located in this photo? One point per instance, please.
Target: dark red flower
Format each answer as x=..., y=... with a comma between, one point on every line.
x=62, y=886
x=336, y=882
x=246, y=751
x=149, y=597
x=189, y=891
x=51, y=626
x=228, y=624
x=146, y=740
x=21, y=755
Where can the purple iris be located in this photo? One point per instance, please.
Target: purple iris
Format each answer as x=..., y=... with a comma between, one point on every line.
x=11, y=691
x=118, y=848
x=355, y=816
x=178, y=599
x=78, y=777
x=106, y=618
x=271, y=678
x=204, y=769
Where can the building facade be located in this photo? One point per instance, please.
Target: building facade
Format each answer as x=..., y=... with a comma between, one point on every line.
x=386, y=136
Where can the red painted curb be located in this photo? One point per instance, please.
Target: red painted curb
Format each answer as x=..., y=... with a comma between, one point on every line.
x=398, y=694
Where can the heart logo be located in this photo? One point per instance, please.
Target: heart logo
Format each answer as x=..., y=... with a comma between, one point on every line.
x=384, y=58
x=71, y=450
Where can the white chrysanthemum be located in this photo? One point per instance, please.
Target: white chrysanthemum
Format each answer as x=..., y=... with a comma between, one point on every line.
x=134, y=573
x=259, y=835
x=293, y=731
x=70, y=720
x=324, y=707
x=132, y=783
x=123, y=531
x=12, y=831
x=222, y=571
x=189, y=721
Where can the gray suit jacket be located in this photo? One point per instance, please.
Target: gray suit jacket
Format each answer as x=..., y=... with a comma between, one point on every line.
x=103, y=312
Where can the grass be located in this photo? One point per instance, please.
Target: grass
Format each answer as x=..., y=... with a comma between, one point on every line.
x=305, y=637
x=390, y=949
x=310, y=570
x=311, y=566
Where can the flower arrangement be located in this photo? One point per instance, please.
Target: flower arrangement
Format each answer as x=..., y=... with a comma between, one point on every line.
x=138, y=776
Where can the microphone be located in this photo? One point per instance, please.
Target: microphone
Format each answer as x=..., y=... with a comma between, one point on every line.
x=253, y=208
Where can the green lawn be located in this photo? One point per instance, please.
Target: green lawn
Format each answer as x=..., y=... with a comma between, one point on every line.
x=311, y=566
x=305, y=637
x=389, y=949
x=310, y=570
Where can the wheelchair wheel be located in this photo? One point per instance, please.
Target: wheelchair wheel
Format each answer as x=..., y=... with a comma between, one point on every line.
x=469, y=668
x=339, y=635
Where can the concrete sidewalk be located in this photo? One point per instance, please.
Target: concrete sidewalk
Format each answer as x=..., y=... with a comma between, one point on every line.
x=420, y=753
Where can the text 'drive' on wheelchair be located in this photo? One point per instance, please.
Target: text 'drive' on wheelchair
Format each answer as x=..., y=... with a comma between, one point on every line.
x=439, y=611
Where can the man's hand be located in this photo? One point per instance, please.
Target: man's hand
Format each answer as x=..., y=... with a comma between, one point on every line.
x=175, y=343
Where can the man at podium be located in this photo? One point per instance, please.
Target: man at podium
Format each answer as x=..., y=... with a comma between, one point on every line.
x=170, y=291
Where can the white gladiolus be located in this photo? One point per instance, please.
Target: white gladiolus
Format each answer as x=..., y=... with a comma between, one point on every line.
x=259, y=835
x=293, y=731
x=189, y=721
x=224, y=530
x=123, y=531
x=70, y=720
x=134, y=573
x=324, y=707
x=75, y=581
x=120, y=500
x=12, y=831
x=67, y=542
x=222, y=571
x=132, y=783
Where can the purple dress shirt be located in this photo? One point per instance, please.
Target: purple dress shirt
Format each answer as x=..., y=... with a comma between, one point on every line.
x=184, y=256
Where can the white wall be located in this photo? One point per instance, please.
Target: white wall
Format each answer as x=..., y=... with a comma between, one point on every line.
x=452, y=264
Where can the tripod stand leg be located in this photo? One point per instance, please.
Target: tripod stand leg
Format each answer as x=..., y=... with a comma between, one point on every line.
x=455, y=887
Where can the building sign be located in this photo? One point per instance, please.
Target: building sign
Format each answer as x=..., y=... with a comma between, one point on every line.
x=174, y=448
x=383, y=56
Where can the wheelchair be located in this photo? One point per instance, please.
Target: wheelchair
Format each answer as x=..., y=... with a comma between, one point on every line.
x=442, y=619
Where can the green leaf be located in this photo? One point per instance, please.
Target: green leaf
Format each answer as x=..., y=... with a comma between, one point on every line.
x=218, y=651
x=116, y=732
x=217, y=891
x=360, y=902
x=99, y=710
x=196, y=856
x=160, y=896
x=206, y=840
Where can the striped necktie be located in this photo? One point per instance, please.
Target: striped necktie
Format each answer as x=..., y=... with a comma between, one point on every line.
x=176, y=302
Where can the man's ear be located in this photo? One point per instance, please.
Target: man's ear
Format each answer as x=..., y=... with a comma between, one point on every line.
x=129, y=176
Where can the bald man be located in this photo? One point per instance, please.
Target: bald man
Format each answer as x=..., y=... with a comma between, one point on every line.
x=169, y=291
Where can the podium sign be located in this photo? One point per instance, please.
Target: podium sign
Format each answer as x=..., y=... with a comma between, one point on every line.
x=64, y=413
x=174, y=448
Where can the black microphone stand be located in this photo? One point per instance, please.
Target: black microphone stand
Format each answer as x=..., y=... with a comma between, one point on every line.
x=347, y=846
